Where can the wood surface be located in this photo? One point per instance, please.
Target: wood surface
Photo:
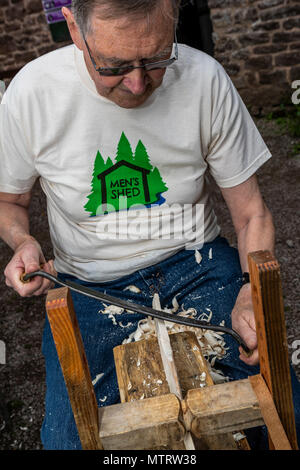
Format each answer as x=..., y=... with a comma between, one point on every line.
x=167, y=356
x=140, y=375
x=269, y=413
x=143, y=424
x=271, y=334
x=223, y=408
x=71, y=354
x=166, y=351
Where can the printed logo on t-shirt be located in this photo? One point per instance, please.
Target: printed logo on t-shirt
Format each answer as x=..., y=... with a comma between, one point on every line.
x=130, y=181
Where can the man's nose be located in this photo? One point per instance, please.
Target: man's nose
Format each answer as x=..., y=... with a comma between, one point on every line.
x=135, y=81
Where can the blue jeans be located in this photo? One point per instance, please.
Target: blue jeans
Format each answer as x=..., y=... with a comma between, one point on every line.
x=212, y=284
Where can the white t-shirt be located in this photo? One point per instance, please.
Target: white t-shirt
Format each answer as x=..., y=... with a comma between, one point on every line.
x=96, y=160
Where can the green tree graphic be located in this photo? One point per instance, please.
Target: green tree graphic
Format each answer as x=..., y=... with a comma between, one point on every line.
x=125, y=181
x=141, y=157
x=124, y=151
x=156, y=184
x=95, y=198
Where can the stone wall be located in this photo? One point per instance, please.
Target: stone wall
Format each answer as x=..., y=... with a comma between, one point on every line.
x=257, y=41
x=24, y=35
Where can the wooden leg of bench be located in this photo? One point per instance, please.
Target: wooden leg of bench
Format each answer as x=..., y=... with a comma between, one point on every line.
x=271, y=334
x=71, y=354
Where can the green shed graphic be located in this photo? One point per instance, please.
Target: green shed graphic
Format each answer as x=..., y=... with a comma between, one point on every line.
x=132, y=180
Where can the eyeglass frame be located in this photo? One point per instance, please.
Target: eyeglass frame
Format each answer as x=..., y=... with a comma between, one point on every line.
x=104, y=71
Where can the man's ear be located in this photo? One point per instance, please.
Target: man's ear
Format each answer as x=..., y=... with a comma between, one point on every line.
x=73, y=28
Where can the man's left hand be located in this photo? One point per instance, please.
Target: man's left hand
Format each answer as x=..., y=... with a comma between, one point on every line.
x=243, y=322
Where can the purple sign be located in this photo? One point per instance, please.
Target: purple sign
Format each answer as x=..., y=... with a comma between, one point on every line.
x=56, y=4
x=55, y=16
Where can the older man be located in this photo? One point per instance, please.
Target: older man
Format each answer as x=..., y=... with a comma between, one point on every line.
x=127, y=118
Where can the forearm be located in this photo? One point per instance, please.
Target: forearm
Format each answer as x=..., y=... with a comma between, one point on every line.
x=14, y=224
x=258, y=234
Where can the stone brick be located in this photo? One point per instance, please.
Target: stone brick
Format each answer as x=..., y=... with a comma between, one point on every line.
x=296, y=45
x=288, y=59
x=241, y=54
x=280, y=12
x=291, y=36
x=245, y=15
x=269, y=3
x=295, y=73
x=265, y=26
x=269, y=78
x=250, y=39
x=228, y=44
x=23, y=58
x=15, y=13
x=270, y=48
x=292, y=23
x=7, y=44
x=258, y=63
x=33, y=6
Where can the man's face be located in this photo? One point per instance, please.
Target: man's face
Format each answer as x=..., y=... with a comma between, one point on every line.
x=119, y=42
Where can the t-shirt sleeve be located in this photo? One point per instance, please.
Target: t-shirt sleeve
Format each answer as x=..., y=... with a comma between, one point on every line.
x=236, y=149
x=17, y=163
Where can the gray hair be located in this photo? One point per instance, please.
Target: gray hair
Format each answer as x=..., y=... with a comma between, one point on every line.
x=113, y=9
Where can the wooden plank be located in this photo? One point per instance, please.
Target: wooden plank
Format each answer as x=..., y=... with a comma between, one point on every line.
x=271, y=335
x=145, y=424
x=269, y=413
x=167, y=357
x=140, y=371
x=223, y=408
x=71, y=354
x=166, y=351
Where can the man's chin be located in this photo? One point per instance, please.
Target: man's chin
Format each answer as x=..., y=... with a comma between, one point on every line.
x=128, y=100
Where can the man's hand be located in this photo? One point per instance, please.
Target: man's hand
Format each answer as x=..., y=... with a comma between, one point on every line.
x=243, y=322
x=28, y=257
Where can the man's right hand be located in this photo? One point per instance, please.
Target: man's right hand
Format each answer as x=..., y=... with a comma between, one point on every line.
x=28, y=257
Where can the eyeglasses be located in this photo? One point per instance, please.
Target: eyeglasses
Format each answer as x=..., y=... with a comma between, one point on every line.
x=123, y=70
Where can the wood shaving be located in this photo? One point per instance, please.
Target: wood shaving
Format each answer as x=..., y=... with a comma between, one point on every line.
x=103, y=399
x=112, y=309
x=238, y=436
x=203, y=377
x=210, y=253
x=125, y=326
x=134, y=289
x=113, y=318
x=97, y=378
x=198, y=256
x=175, y=304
